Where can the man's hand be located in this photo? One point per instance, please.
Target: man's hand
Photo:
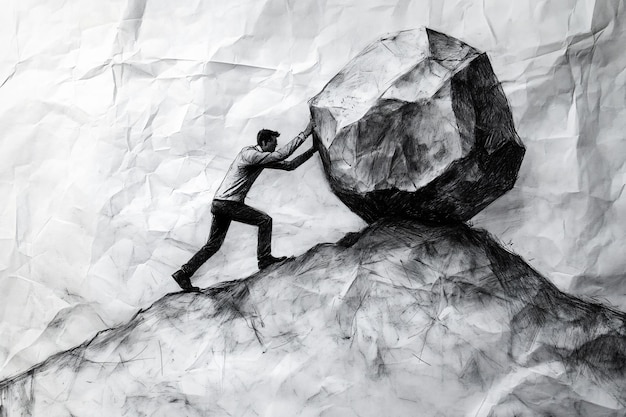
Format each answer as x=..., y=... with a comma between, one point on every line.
x=309, y=128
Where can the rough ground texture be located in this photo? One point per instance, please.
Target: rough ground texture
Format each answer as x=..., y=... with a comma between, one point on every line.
x=418, y=126
x=401, y=319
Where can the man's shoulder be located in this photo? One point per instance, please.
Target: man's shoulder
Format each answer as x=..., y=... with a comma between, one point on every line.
x=249, y=154
x=249, y=148
x=244, y=150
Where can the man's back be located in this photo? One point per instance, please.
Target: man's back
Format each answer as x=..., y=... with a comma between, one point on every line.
x=247, y=167
x=239, y=178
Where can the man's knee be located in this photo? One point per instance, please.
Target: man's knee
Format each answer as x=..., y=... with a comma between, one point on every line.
x=266, y=221
x=213, y=244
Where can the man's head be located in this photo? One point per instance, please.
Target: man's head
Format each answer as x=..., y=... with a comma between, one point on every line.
x=266, y=139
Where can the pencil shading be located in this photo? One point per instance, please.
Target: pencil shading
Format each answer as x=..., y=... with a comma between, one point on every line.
x=402, y=316
x=417, y=125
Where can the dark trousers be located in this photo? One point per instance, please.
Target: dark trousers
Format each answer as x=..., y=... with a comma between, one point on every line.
x=223, y=213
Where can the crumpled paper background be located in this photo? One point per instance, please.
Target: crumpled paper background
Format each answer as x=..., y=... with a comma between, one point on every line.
x=120, y=118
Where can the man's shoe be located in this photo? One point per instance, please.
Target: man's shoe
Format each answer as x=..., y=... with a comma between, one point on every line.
x=270, y=260
x=182, y=279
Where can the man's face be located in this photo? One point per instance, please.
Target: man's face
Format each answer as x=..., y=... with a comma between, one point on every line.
x=270, y=145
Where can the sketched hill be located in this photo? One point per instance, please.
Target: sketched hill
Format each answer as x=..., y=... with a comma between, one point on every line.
x=401, y=319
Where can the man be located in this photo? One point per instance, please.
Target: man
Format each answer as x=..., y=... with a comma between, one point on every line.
x=228, y=203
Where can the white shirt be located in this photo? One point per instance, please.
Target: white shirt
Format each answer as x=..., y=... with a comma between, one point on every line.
x=247, y=167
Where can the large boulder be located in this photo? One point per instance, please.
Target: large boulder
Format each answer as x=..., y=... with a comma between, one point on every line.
x=417, y=126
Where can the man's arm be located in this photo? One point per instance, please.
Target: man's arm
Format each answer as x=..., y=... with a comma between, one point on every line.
x=255, y=157
x=294, y=163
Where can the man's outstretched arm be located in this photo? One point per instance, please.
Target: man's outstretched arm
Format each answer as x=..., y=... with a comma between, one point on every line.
x=254, y=157
x=294, y=163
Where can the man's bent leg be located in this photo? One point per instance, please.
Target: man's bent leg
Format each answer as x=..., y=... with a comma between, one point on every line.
x=248, y=215
x=243, y=213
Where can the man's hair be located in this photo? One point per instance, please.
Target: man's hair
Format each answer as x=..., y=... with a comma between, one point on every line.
x=265, y=135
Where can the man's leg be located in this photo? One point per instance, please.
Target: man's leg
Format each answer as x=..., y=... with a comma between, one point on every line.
x=219, y=227
x=245, y=214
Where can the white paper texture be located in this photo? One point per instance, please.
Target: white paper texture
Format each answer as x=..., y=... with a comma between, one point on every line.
x=120, y=118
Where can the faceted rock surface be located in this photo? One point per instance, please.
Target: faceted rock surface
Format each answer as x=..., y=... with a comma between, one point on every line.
x=417, y=126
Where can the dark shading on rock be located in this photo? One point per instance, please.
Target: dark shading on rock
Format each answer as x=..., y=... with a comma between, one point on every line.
x=401, y=319
x=417, y=126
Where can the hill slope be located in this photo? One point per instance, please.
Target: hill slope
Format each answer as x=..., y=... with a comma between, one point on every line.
x=401, y=319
